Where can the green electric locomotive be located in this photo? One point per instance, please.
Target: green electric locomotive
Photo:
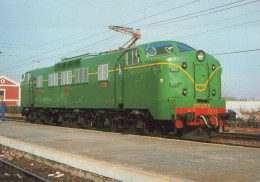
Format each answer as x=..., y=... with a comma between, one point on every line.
x=164, y=86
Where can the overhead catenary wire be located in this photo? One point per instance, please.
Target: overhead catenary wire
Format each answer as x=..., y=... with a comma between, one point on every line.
x=118, y=18
x=97, y=26
x=219, y=29
x=236, y=52
x=69, y=44
x=191, y=15
x=162, y=12
x=206, y=24
x=33, y=57
x=83, y=48
x=185, y=15
x=134, y=21
x=29, y=62
x=74, y=42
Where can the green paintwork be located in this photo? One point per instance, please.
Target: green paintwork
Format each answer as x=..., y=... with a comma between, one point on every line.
x=155, y=84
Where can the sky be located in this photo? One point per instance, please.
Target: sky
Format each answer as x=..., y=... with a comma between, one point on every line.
x=45, y=31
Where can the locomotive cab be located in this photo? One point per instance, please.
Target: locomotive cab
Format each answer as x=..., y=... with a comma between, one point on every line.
x=207, y=106
x=189, y=84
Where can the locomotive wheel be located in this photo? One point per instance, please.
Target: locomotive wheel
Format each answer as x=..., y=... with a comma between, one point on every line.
x=151, y=130
x=27, y=117
x=113, y=126
x=81, y=122
x=149, y=125
x=44, y=119
x=146, y=129
x=54, y=119
x=180, y=132
x=31, y=117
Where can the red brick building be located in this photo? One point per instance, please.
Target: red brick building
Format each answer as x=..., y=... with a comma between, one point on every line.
x=10, y=91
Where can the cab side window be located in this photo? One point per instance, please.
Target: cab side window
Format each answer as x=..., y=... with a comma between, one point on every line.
x=132, y=57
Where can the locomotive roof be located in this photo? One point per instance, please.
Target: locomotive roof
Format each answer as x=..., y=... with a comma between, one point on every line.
x=89, y=55
x=79, y=57
x=156, y=42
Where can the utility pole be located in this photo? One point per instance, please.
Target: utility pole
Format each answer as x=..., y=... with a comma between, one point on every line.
x=36, y=64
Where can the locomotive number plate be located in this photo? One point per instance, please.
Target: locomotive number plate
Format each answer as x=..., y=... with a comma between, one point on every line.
x=201, y=105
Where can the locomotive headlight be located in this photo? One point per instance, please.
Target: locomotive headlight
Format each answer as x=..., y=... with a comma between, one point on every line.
x=213, y=92
x=184, y=65
x=184, y=91
x=213, y=67
x=201, y=55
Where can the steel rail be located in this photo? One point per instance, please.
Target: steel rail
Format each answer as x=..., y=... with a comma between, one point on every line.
x=240, y=135
x=17, y=169
x=232, y=144
x=211, y=142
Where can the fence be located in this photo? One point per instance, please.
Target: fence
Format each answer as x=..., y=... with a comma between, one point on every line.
x=246, y=106
x=13, y=109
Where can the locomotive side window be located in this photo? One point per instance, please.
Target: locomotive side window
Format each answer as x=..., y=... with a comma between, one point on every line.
x=158, y=49
x=132, y=57
x=184, y=48
x=103, y=72
x=121, y=69
x=39, y=81
x=27, y=77
x=81, y=75
x=53, y=80
x=66, y=77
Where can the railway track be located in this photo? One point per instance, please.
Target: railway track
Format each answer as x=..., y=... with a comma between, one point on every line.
x=240, y=135
x=237, y=139
x=226, y=140
x=11, y=172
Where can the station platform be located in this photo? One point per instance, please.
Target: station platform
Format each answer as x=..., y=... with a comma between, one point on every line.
x=133, y=158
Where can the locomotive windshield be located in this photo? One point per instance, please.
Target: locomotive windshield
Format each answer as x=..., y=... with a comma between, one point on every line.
x=157, y=49
x=184, y=48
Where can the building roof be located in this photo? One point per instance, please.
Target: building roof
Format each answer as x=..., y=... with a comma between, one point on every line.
x=8, y=79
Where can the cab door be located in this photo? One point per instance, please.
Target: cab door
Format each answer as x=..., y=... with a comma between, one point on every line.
x=132, y=80
x=201, y=77
x=119, y=83
x=31, y=91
